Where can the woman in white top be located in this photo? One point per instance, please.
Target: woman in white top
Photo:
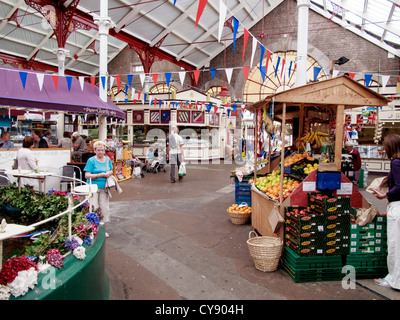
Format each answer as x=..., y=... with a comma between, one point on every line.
x=27, y=159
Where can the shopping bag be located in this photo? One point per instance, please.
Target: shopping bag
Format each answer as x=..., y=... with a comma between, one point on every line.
x=379, y=184
x=182, y=170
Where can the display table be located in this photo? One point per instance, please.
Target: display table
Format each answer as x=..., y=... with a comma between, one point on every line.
x=30, y=174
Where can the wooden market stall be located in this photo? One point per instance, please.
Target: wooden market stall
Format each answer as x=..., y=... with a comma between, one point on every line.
x=335, y=94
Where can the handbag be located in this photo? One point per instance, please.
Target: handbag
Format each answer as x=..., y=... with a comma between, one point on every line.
x=182, y=170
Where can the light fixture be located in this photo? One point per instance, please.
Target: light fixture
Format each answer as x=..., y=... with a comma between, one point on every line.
x=341, y=60
x=223, y=95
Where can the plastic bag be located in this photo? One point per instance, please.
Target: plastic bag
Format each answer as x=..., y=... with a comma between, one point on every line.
x=182, y=170
x=379, y=184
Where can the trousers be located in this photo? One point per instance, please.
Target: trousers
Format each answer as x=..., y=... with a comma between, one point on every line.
x=393, y=240
x=174, y=159
x=101, y=200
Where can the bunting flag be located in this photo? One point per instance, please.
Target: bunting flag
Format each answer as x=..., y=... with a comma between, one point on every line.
x=118, y=78
x=228, y=111
x=55, y=81
x=182, y=75
x=168, y=77
x=23, y=75
x=367, y=78
x=335, y=73
x=254, y=48
x=196, y=75
x=290, y=67
x=246, y=70
x=222, y=16
x=142, y=77
x=103, y=81
x=111, y=82
x=245, y=39
x=235, y=29
x=208, y=107
x=174, y=2
x=384, y=80
x=317, y=70
x=283, y=68
x=40, y=78
x=228, y=73
x=263, y=72
x=277, y=65
x=155, y=76
x=130, y=77
x=81, y=82
x=213, y=73
x=262, y=55
x=93, y=81
x=200, y=9
x=69, y=82
x=351, y=74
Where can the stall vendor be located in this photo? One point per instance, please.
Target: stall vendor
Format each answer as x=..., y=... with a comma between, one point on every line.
x=356, y=160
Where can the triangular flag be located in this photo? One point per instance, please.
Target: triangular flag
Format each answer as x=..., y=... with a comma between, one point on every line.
x=213, y=73
x=103, y=81
x=82, y=82
x=228, y=72
x=155, y=76
x=174, y=2
x=142, y=76
x=202, y=4
x=130, y=77
x=55, y=80
x=168, y=77
x=253, y=51
x=92, y=80
x=283, y=67
x=118, y=78
x=228, y=111
x=262, y=55
x=335, y=73
x=277, y=65
x=290, y=67
x=215, y=110
x=351, y=74
x=235, y=29
x=385, y=80
x=69, y=82
x=368, y=78
x=182, y=75
x=133, y=92
x=222, y=16
x=208, y=107
x=196, y=75
x=111, y=82
x=263, y=72
x=40, y=78
x=317, y=70
x=245, y=38
x=138, y=94
x=246, y=70
x=23, y=75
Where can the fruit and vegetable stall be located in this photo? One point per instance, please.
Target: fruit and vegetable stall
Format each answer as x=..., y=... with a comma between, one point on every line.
x=311, y=205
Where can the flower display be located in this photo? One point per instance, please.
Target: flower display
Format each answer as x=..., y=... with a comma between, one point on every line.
x=13, y=266
x=25, y=280
x=92, y=218
x=4, y=292
x=79, y=253
x=55, y=258
x=87, y=241
x=72, y=244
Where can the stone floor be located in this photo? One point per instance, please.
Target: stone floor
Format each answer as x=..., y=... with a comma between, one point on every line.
x=176, y=242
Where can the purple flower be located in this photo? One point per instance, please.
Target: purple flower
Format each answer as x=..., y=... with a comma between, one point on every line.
x=72, y=244
x=93, y=218
x=88, y=241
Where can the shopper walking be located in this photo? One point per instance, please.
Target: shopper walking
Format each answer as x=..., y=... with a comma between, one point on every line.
x=391, y=145
x=98, y=168
x=175, y=152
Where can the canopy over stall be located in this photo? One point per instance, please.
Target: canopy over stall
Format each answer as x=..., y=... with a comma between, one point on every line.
x=43, y=91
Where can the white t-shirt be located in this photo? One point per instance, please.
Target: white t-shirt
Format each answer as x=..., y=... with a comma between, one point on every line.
x=175, y=143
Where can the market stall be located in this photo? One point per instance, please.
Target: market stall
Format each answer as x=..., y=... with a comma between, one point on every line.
x=336, y=95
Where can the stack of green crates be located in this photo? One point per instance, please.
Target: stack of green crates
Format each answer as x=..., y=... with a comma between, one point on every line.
x=368, y=248
x=310, y=269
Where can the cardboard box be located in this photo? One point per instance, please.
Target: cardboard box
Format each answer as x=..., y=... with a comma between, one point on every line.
x=275, y=220
x=327, y=167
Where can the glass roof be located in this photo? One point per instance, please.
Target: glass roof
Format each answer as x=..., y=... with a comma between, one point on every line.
x=375, y=20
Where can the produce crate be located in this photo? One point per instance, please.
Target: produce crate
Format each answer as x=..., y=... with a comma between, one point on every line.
x=311, y=269
x=368, y=265
x=329, y=204
x=243, y=191
x=308, y=223
x=243, y=199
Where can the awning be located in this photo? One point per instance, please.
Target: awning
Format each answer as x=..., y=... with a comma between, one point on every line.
x=43, y=91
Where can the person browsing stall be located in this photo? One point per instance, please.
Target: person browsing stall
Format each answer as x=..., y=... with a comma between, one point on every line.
x=98, y=168
x=356, y=160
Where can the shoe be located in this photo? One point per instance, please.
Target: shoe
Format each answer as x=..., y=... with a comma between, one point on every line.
x=382, y=283
x=180, y=178
x=172, y=181
x=107, y=235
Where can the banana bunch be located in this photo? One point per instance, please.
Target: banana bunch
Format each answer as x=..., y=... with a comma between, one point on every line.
x=314, y=137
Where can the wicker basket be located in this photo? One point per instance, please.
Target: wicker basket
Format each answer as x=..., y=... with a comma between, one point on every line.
x=265, y=251
x=239, y=217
